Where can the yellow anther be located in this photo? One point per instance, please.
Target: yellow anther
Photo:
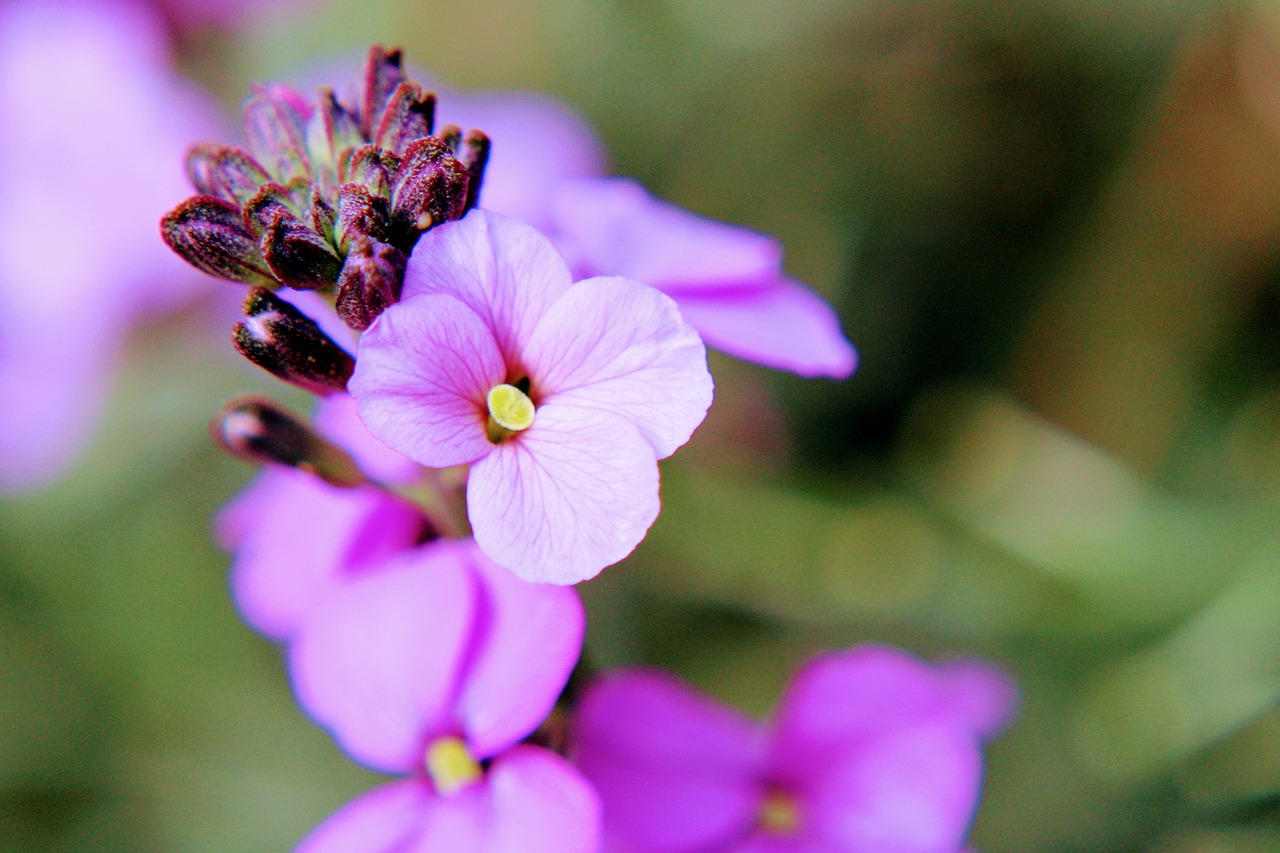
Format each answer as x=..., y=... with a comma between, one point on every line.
x=510, y=409
x=451, y=766
x=779, y=813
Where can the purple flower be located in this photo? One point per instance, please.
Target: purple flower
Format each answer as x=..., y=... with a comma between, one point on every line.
x=546, y=167
x=871, y=751
x=563, y=396
x=94, y=125
x=438, y=662
x=296, y=538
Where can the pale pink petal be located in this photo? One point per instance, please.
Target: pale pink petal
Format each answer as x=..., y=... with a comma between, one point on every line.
x=338, y=419
x=540, y=804
x=538, y=144
x=384, y=820
x=458, y=823
x=620, y=346
x=675, y=771
x=422, y=373
x=295, y=537
x=567, y=497
x=504, y=270
x=784, y=326
x=531, y=636
x=378, y=665
x=911, y=789
x=612, y=226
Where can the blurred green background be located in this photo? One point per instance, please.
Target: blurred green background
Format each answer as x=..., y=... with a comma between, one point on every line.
x=1051, y=228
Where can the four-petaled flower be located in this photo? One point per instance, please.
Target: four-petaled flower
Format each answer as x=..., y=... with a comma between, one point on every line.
x=562, y=396
x=871, y=751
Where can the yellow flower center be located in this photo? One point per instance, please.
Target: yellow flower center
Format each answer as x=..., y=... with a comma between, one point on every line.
x=779, y=813
x=450, y=765
x=510, y=411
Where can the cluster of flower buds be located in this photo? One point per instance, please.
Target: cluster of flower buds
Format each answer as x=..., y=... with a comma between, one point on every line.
x=330, y=196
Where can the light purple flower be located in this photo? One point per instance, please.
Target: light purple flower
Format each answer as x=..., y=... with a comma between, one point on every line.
x=91, y=140
x=433, y=664
x=296, y=538
x=563, y=396
x=871, y=751
x=547, y=169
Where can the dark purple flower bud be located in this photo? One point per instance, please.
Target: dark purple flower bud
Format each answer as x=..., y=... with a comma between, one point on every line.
x=282, y=340
x=298, y=256
x=476, y=158
x=321, y=216
x=332, y=132
x=381, y=74
x=225, y=171
x=277, y=135
x=371, y=280
x=210, y=234
x=374, y=168
x=260, y=210
x=430, y=188
x=360, y=214
x=408, y=116
x=257, y=430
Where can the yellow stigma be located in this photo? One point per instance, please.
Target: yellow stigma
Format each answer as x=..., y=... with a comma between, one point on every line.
x=779, y=813
x=510, y=411
x=450, y=765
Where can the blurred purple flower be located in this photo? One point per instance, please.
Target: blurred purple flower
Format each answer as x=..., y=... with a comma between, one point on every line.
x=871, y=751
x=545, y=168
x=562, y=395
x=433, y=664
x=95, y=123
x=296, y=538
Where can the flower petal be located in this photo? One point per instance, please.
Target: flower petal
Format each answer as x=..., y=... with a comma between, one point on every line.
x=378, y=665
x=513, y=683
x=572, y=494
x=504, y=270
x=384, y=820
x=784, y=326
x=675, y=771
x=423, y=370
x=621, y=346
x=612, y=226
x=540, y=804
x=296, y=537
x=911, y=789
x=338, y=418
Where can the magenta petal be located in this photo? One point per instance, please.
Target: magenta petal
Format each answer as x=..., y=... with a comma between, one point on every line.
x=338, y=418
x=378, y=664
x=503, y=270
x=574, y=493
x=384, y=820
x=784, y=326
x=911, y=789
x=540, y=804
x=984, y=696
x=424, y=368
x=611, y=226
x=614, y=344
x=676, y=772
x=531, y=636
x=295, y=537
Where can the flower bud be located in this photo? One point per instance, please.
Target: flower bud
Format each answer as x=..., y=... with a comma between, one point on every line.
x=257, y=430
x=276, y=134
x=373, y=168
x=299, y=257
x=430, y=188
x=371, y=280
x=331, y=133
x=210, y=234
x=476, y=158
x=381, y=74
x=408, y=116
x=360, y=214
x=225, y=171
x=282, y=340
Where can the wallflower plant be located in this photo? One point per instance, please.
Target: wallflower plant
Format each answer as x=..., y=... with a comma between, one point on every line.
x=495, y=396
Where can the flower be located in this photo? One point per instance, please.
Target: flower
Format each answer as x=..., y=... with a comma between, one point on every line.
x=547, y=168
x=296, y=538
x=94, y=122
x=438, y=662
x=871, y=751
x=563, y=396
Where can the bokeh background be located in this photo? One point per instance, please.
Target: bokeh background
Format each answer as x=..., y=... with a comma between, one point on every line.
x=1051, y=228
